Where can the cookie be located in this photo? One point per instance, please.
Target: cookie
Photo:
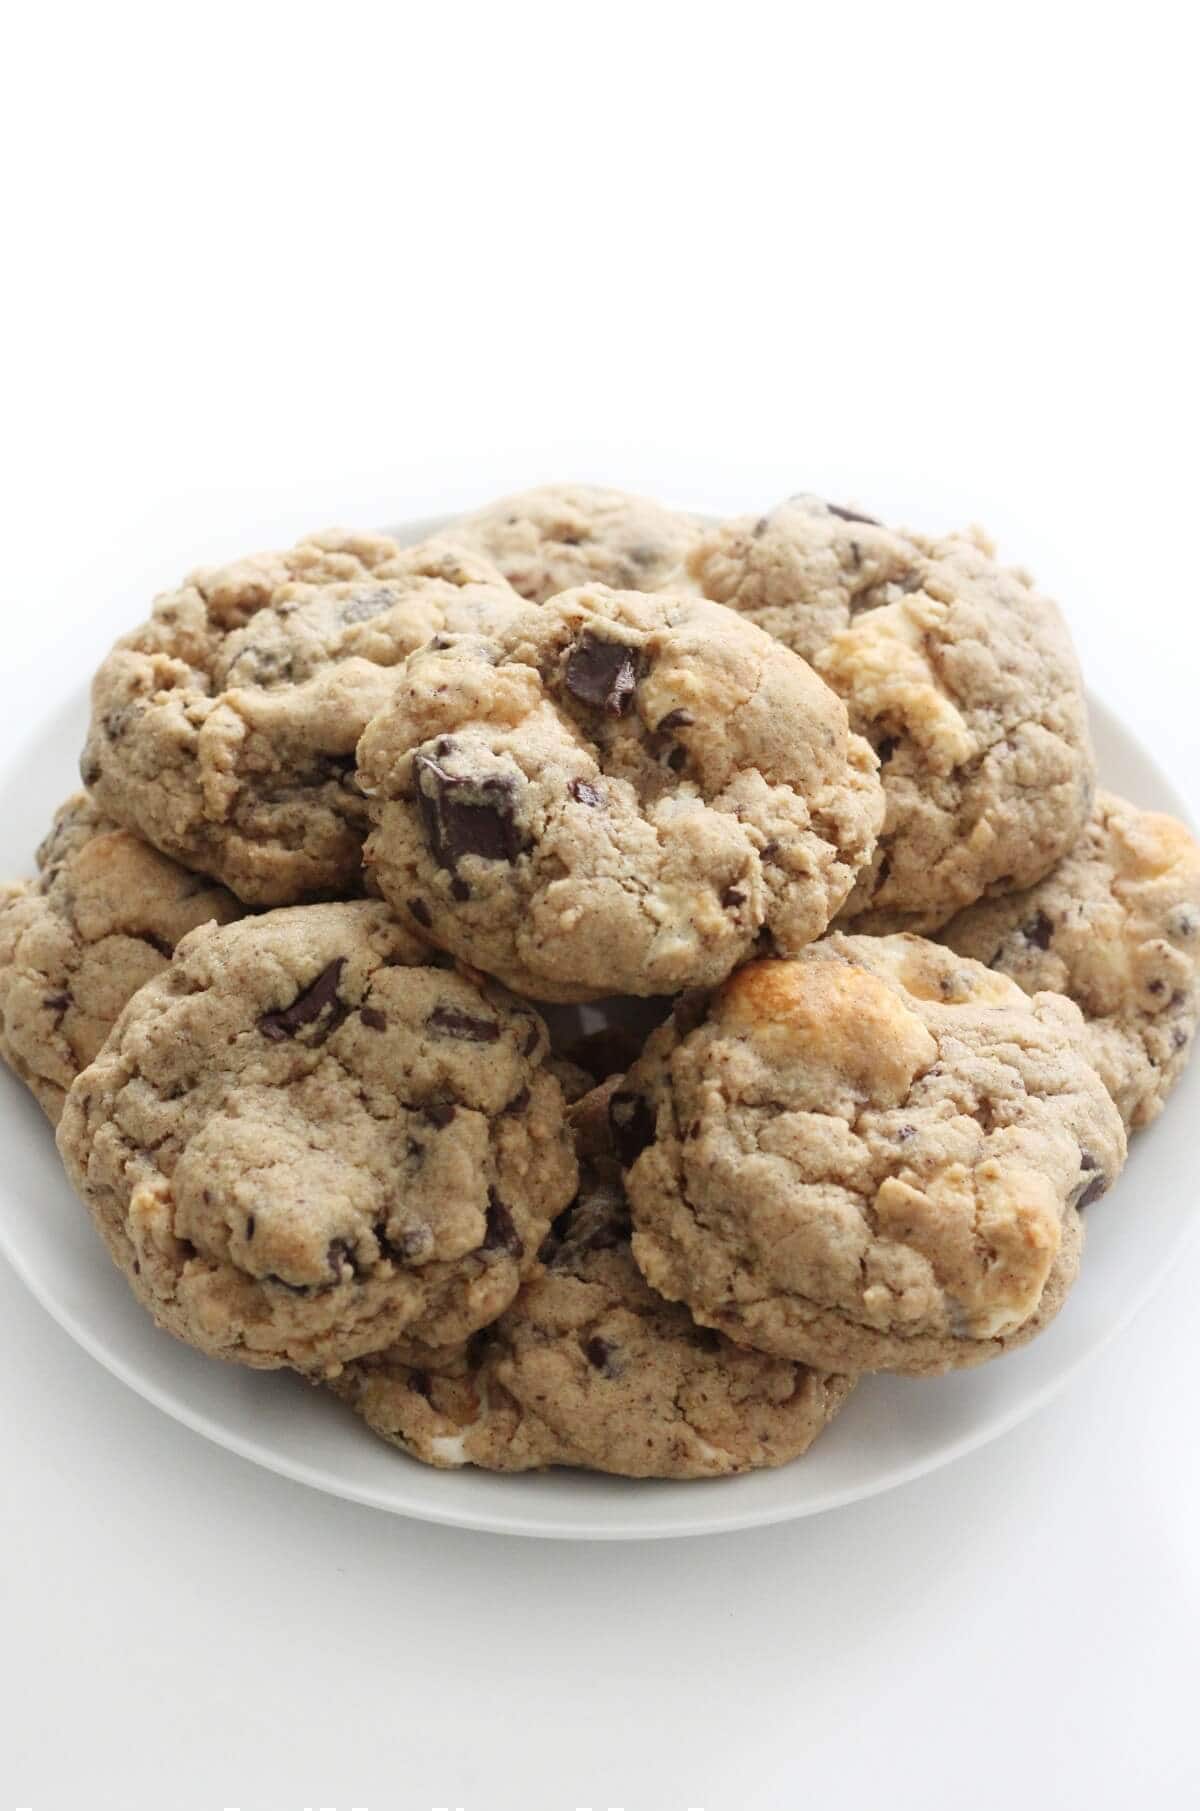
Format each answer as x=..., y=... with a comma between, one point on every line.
x=223, y=729
x=557, y=536
x=617, y=793
x=304, y=1140
x=956, y=669
x=102, y=918
x=872, y=1157
x=1115, y=927
x=589, y=1367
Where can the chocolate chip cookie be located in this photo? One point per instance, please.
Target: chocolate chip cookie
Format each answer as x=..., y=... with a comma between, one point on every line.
x=557, y=536
x=872, y=1157
x=102, y=918
x=616, y=793
x=1115, y=927
x=223, y=730
x=304, y=1140
x=589, y=1367
x=956, y=669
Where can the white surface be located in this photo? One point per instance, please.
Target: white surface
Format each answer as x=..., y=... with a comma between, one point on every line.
x=892, y=1431
x=271, y=266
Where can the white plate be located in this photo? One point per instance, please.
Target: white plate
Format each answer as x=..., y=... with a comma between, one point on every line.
x=892, y=1429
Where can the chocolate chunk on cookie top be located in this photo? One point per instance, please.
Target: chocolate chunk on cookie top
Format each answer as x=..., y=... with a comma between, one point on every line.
x=223, y=730
x=589, y=1367
x=102, y=918
x=304, y=1140
x=956, y=669
x=616, y=793
x=868, y=1158
x=559, y=535
x=1115, y=927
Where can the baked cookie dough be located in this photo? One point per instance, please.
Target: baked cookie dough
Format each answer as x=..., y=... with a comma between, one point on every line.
x=102, y=918
x=557, y=536
x=303, y=1140
x=872, y=1157
x=1115, y=927
x=956, y=669
x=616, y=793
x=223, y=730
x=589, y=1367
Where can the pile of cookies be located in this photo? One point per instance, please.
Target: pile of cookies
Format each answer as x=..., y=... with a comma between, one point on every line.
x=368, y=830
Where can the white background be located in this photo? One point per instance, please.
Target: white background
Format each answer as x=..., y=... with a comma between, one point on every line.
x=272, y=266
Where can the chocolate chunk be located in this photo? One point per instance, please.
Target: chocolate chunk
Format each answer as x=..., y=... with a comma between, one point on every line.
x=457, y=1024
x=1038, y=932
x=850, y=515
x=603, y=674
x=674, y=720
x=633, y=1127
x=373, y=1018
x=57, y=1003
x=439, y=1113
x=887, y=749
x=731, y=897
x=459, y=888
x=339, y=1255
x=501, y=1234
x=585, y=793
x=251, y=1223
x=420, y=911
x=1087, y=1161
x=464, y=815
x=1095, y=1188
x=690, y=1009
x=308, y=1006
x=366, y=604
x=598, y=1353
x=769, y=853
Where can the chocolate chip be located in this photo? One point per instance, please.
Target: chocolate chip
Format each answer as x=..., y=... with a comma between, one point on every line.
x=464, y=815
x=420, y=911
x=251, y=1223
x=732, y=896
x=598, y=1353
x=633, y=1127
x=1038, y=932
x=57, y=1003
x=373, y=1019
x=366, y=604
x=887, y=749
x=308, y=1006
x=584, y=793
x=1184, y=922
x=440, y=1112
x=338, y=1255
x=1087, y=1161
x=674, y=720
x=603, y=674
x=769, y=853
x=501, y=1234
x=1093, y=1191
x=904, y=1133
x=851, y=515
x=459, y=888
x=690, y=1009
x=455, y=1024
x=1155, y=987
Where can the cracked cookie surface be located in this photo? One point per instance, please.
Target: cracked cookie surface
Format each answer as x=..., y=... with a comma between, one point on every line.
x=1115, y=927
x=617, y=793
x=223, y=730
x=872, y=1157
x=304, y=1140
x=956, y=669
x=590, y=1368
x=557, y=536
x=102, y=918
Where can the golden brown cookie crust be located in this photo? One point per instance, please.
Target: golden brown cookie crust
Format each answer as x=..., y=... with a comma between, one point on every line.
x=868, y=1158
x=304, y=1140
